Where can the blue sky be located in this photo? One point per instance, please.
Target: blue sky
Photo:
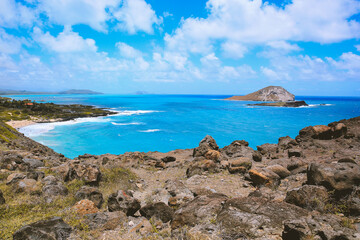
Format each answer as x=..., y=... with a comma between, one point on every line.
x=185, y=47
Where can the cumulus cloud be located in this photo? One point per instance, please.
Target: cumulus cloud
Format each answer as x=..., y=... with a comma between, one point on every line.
x=233, y=49
x=136, y=15
x=9, y=44
x=127, y=51
x=257, y=22
x=307, y=68
x=66, y=41
x=14, y=14
x=69, y=12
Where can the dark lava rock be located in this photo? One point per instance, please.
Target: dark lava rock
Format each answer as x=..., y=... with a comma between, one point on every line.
x=198, y=167
x=34, y=163
x=208, y=143
x=76, y=169
x=52, y=229
x=238, y=148
x=286, y=142
x=105, y=220
x=168, y=159
x=158, y=210
x=295, y=152
x=53, y=187
x=14, y=178
x=123, y=201
x=90, y=193
x=309, y=197
x=201, y=209
x=342, y=177
x=248, y=215
x=2, y=199
x=257, y=157
x=281, y=104
x=35, y=175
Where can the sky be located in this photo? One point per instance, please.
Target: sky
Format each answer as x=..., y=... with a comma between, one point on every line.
x=181, y=46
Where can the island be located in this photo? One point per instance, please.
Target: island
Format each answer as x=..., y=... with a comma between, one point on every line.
x=270, y=93
x=281, y=104
x=24, y=92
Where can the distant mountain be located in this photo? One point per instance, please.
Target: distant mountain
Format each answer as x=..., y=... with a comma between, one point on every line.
x=271, y=94
x=79, y=91
x=24, y=92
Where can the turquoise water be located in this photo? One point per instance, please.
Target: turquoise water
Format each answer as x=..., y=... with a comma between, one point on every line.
x=167, y=122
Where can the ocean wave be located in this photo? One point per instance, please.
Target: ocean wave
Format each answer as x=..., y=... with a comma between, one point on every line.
x=317, y=105
x=134, y=112
x=126, y=124
x=150, y=130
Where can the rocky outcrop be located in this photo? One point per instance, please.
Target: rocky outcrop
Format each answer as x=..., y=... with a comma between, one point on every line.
x=54, y=228
x=85, y=206
x=282, y=104
x=76, y=169
x=123, y=201
x=341, y=177
x=158, y=210
x=252, y=217
x=271, y=93
x=105, y=220
x=201, y=209
x=52, y=188
x=91, y=193
x=308, y=197
x=206, y=145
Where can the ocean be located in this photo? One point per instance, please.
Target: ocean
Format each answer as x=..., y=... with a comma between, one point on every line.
x=168, y=122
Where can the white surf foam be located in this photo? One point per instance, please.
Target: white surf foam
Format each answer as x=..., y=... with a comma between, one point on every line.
x=150, y=130
x=134, y=112
x=126, y=124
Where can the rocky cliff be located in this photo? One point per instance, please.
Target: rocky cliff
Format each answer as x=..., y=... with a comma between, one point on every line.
x=297, y=189
x=271, y=94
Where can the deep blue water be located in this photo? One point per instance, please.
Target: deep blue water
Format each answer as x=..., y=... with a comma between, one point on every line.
x=167, y=122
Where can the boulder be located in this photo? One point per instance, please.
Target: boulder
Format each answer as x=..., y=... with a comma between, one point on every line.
x=279, y=170
x=318, y=227
x=35, y=175
x=295, y=152
x=238, y=148
x=255, y=218
x=53, y=187
x=241, y=162
x=342, y=177
x=339, y=129
x=212, y=155
x=353, y=202
x=200, y=166
x=321, y=132
x=15, y=177
x=268, y=150
x=34, y=163
x=12, y=161
x=91, y=193
x=208, y=143
x=263, y=177
x=168, y=159
x=158, y=210
x=201, y=209
x=85, y=206
x=2, y=199
x=76, y=169
x=309, y=197
x=179, y=193
x=123, y=201
x=286, y=143
x=54, y=229
x=257, y=157
x=27, y=186
x=105, y=220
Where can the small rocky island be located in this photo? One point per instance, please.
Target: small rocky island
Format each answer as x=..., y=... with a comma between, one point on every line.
x=300, y=188
x=275, y=96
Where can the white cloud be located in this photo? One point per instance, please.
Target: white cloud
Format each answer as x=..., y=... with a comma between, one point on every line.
x=66, y=41
x=135, y=16
x=9, y=44
x=233, y=49
x=127, y=51
x=14, y=14
x=69, y=12
x=357, y=47
x=282, y=45
x=306, y=68
x=255, y=22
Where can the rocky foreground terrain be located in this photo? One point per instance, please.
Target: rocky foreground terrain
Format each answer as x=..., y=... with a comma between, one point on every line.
x=302, y=188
